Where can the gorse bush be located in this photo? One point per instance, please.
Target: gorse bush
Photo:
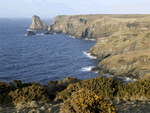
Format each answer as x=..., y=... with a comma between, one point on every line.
x=69, y=88
x=54, y=87
x=17, y=91
x=4, y=90
x=30, y=93
x=134, y=90
x=109, y=88
x=101, y=86
x=86, y=101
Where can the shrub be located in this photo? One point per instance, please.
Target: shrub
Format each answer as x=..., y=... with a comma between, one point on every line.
x=17, y=84
x=54, y=87
x=134, y=90
x=86, y=101
x=30, y=93
x=4, y=90
x=101, y=86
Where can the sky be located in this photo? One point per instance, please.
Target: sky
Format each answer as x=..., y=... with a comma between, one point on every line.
x=51, y=8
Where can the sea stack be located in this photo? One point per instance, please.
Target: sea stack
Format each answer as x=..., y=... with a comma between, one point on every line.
x=38, y=24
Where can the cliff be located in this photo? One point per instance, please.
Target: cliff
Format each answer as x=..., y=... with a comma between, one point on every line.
x=85, y=26
x=122, y=41
x=126, y=53
x=37, y=24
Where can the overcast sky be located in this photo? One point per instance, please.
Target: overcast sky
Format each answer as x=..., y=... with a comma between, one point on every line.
x=52, y=8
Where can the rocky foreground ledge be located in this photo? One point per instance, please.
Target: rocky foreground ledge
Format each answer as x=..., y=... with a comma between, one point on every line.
x=123, y=41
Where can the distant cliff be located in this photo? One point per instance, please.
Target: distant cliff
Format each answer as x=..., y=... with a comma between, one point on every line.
x=123, y=41
x=85, y=26
x=37, y=24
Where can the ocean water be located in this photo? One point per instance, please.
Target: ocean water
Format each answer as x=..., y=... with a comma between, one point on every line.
x=42, y=57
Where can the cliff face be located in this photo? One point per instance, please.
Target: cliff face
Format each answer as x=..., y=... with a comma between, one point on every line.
x=37, y=24
x=127, y=51
x=85, y=26
x=123, y=41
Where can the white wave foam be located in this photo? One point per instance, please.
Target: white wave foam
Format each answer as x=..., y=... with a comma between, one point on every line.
x=89, y=55
x=89, y=39
x=87, y=68
x=129, y=80
x=95, y=71
x=25, y=35
x=29, y=30
x=72, y=36
x=54, y=33
x=92, y=39
x=86, y=39
x=40, y=34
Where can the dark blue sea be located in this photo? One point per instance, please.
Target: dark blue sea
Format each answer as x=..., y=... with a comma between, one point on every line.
x=42, y=57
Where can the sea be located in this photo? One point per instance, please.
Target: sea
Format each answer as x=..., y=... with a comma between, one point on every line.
x=42, y=58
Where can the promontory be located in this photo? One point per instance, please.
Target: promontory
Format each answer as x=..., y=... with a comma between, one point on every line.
x=123, y=41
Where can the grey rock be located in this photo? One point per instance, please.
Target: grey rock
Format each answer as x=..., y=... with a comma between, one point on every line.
x=30, y=33
x=48, y=32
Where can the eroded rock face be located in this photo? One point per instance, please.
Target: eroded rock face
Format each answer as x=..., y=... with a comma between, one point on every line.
x=38, y=24
x=126, y=53
x=85, y=26
x=30, y=33
x=132, y=64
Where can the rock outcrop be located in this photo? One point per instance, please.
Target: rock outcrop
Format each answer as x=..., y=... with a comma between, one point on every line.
x=37, y=24
x=30, y=33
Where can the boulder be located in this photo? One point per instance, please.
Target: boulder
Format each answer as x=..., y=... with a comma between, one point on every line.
x=38, y=24
x=30, y=33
